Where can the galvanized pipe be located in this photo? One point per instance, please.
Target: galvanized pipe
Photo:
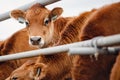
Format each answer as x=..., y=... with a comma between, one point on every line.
x=92, y=51
x=5, y=15
x=101, y=42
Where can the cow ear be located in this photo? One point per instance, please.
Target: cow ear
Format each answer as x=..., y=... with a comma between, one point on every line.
x=55, y=13
x=38, y=68
x=18, y=15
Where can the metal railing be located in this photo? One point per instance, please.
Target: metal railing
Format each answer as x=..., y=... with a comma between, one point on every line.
x=5, y=15
x=98, y=41
x=98, y=44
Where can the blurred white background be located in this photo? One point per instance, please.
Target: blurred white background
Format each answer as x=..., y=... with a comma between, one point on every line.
x=71, y=8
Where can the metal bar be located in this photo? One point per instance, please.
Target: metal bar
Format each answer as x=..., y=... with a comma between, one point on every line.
x=103, y=41
x=91, y=50
x=5, y=15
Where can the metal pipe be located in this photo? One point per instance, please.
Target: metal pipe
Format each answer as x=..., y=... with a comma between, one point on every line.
x=5, y=15
x=103, y=41
x=91, y=50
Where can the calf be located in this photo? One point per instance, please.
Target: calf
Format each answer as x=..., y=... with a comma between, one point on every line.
x=59, y=24
x=58, y=66
x=104, y=22
x=16, y=43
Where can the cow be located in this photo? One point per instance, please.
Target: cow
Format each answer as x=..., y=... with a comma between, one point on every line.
x=70, y=34
x=57, y=66
x=115, y=73
x=1, y=44
x=41, y=24
x=104, y=22
x=23, y=71
x=20, y=41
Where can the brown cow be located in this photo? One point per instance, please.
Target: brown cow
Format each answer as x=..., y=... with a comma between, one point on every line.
x=56, y=67
x=41, y=24
x=18, y=42
x=62, y=63
x=115, y=73
x=23, y=72
x=105, y=21
x=1, y=44
x=59, y=23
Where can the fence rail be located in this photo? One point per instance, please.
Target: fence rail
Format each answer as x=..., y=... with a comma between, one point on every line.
x=91, y=50
x=5, y=15
x=99, y=41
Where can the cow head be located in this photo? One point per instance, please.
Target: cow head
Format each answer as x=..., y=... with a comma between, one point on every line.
x=29, y=71
x=23, y=72
x=39, y=22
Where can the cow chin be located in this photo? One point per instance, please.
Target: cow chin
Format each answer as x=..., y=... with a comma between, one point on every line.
x=40, y=45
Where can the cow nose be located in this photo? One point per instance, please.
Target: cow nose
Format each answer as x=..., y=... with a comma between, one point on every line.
x=35, y=40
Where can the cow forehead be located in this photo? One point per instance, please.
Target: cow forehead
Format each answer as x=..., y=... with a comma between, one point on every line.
x=20, y=72
x=37, y=13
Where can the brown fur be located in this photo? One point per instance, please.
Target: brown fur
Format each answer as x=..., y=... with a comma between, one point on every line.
x=59, y=26
x=19, y=42
x=105, y=21
x=59, y=65
x=16, y=43
x=115, y=73
x=1, y=43
x=59, y=61
x=21, y=14
x=1, y=46
x=36, y=17
x=23, y=71
x=48, y=58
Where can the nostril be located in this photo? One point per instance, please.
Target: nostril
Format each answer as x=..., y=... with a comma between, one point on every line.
x=31, y=40
x=39, y=40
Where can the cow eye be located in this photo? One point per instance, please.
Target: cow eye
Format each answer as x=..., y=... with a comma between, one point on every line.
x=46, y=21
x=26, y=23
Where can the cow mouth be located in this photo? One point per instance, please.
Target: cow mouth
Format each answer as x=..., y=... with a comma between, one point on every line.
x=41, y=45
x=38, y=45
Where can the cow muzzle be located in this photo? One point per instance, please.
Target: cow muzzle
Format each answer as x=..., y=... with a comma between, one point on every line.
x=36, y=41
